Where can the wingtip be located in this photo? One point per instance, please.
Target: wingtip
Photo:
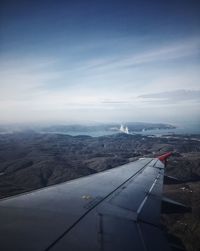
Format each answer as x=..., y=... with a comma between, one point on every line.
x=164, y=156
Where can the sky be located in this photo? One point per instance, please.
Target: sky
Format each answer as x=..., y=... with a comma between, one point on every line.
x=99, y=61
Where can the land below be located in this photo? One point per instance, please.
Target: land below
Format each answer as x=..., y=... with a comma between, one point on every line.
x=31, y=160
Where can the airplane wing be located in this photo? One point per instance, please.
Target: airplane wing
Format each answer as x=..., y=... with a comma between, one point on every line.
x=115, y=210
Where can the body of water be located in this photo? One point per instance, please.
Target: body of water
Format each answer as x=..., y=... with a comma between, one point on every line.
x=156, y=132
x=187, y=129
x=178, y=130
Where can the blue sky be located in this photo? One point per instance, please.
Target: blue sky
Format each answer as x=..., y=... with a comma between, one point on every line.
x=79, y=61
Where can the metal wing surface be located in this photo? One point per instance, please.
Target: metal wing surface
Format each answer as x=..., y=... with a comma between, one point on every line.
x=115, y=210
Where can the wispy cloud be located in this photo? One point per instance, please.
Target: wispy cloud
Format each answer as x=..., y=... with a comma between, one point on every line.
x=114, y=101
x=173, y=51
x=106, y=84
x=22, y=79
x=171, y=97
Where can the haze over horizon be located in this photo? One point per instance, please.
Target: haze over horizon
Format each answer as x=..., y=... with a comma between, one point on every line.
x=78, y=61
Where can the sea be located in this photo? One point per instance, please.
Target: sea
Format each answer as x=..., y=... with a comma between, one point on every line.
x=188, y=129
x=180, y=129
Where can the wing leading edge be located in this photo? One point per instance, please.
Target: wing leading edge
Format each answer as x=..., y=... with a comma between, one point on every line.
x=118, y=209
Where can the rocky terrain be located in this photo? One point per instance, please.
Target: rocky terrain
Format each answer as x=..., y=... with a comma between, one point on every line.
x=30, y=160
x=186, y=227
